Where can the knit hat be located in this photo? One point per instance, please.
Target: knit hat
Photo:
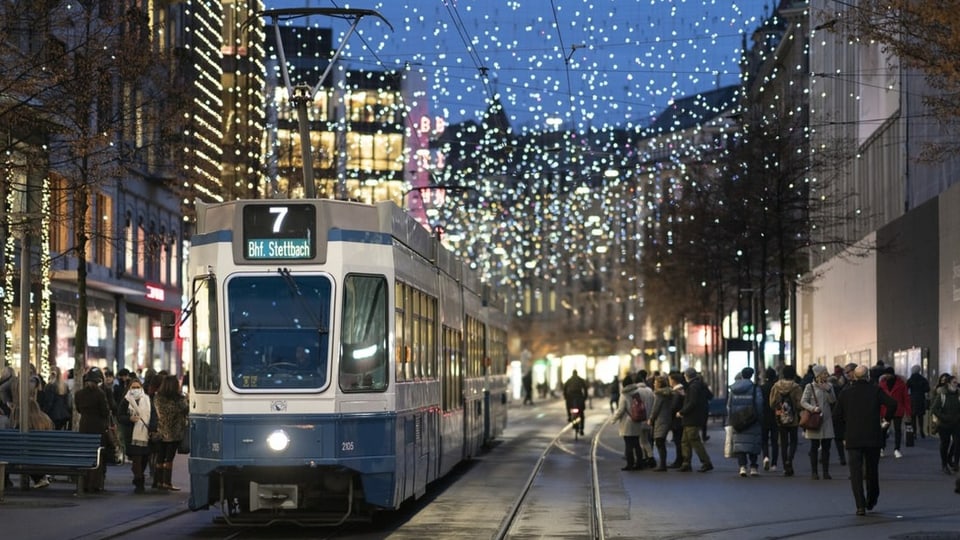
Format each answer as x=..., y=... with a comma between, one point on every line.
x=746, y=372
x=819, y=370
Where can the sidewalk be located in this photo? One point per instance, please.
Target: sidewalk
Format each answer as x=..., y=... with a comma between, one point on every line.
x=55, y=513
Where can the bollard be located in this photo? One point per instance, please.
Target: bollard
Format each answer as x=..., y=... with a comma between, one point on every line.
x=3, y=478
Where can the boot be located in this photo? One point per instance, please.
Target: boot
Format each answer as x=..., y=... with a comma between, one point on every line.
x=825, y=458
x=813, y=467
x=168, y=478
x=138, y=485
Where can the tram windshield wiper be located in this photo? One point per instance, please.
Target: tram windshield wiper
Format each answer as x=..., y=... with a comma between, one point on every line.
x=298, y=296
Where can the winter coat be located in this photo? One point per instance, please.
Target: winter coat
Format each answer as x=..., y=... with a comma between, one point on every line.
x=767, y=417
x=663, y=413
x=918, y=386
x=859, y=406
x=744, y=393
x=695, y=403
x=627, y=427
x=815, y=395
x=792, y=389
x=58, y=406
x=946, y=405
x=91, y=404
x=123, y=418
x=171, y=416
x=898, y=391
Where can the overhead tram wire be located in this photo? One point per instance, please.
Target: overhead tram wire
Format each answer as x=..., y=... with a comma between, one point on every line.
x=482, y=70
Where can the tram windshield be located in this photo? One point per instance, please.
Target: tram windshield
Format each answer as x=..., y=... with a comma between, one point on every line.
x=279, y=331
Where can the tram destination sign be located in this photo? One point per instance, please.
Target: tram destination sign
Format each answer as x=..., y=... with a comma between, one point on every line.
x=279, y=231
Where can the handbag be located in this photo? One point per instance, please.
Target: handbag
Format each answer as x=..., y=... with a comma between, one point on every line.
x=115, y=450
x=934, y=424
x=809, y=419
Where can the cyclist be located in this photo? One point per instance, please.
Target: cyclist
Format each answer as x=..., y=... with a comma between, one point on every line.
x=575, y=394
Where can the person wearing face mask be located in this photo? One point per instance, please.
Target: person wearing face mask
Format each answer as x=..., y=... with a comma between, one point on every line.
x=945, y=405
x=137, y=415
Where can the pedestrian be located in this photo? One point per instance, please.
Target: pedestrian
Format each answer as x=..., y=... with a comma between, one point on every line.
x=919, y=387
x=677, y=384
x=747, y=442
x=769, y=436
x=527, y=381
x=896, y=387
x=785, y=400
x=662, y=418
x=706, y=419
x=859, y=406
x=59, y=401
x=842, y=383
x=693, y=414
x=139, y=420
x=172, y=410
x=646, y=427
x=945, y=405
x=91, y=404
x=614, y=394
x=818, y=397
x=629, y=429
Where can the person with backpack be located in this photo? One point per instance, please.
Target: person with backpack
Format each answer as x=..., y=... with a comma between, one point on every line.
x=744, y=401
x=785, y=398
x=630, y=430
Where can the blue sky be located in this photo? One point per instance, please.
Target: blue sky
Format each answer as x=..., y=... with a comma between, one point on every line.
x=589, y=63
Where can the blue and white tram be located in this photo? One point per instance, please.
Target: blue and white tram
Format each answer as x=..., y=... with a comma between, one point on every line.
x=342, y=360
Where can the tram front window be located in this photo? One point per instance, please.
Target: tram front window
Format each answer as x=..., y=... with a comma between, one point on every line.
x=279, y=331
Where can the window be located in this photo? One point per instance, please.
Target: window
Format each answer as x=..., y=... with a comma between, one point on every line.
x=363, y=336
x=206, y=352
x=279, y=329
x=453, y=381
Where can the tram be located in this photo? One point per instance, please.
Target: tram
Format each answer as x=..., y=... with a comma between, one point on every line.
x=342, y=360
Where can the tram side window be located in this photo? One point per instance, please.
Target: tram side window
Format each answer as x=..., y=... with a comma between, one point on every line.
x=206, y=355
x=363, y=337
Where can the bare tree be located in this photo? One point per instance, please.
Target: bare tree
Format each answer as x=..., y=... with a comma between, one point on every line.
x=87, y=84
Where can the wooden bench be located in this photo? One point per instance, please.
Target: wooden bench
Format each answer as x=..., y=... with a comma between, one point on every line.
x=65, y=453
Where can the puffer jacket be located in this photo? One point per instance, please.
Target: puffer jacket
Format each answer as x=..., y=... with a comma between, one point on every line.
x=744, y=393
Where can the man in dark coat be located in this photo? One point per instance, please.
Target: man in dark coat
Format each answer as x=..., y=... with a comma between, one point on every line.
x=859, y=407
x=693, y=414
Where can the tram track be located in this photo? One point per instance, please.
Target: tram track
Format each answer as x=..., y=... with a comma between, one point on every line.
x=595, y=513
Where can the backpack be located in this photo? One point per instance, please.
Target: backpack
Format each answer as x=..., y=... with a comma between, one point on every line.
x=785, y=413
x=638, y=410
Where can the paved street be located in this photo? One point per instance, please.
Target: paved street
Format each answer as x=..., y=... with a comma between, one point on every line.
x=917, y=499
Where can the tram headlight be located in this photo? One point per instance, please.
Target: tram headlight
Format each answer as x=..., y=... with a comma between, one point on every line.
x=278, y=440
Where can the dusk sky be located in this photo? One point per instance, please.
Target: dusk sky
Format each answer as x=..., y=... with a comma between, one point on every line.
x=590, y=63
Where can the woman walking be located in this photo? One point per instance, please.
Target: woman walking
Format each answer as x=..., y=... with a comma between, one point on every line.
x=172, y=411
x=945, y=405
x=137, y=415
x=818, y=397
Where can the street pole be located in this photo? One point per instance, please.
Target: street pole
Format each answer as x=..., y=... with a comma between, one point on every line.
x=24, y=331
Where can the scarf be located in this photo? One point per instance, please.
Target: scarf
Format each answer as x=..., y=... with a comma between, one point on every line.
x=140, y=435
